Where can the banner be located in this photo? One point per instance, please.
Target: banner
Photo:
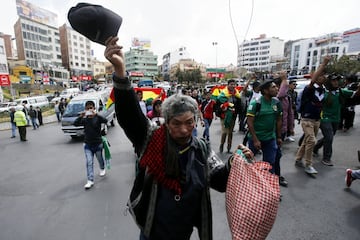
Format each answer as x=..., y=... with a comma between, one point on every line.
x=5, y=80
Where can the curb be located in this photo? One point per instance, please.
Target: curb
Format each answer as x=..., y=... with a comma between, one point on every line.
x=47, y=120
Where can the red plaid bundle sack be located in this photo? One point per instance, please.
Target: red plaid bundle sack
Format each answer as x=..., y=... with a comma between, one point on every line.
x=252, y=199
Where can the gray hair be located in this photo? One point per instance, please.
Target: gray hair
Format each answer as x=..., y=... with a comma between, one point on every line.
x=178, y=104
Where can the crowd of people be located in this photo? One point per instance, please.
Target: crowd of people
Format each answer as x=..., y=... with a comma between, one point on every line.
x=174, y=171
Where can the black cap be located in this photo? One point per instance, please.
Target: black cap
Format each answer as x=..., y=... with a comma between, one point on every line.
x=94, y=22
x=292, y=81
x=266, y=84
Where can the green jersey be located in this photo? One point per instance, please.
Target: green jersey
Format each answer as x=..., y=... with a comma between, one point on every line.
x=332, y=104
x=265, y=114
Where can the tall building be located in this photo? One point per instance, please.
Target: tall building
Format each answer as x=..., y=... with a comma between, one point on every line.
x=171, y=58
x=9, y=47
x=307, y=54
x=352, y=38
x=260, y=54
x=4, y=71
x=141, y=63
x=38, y=42
x=75, y=52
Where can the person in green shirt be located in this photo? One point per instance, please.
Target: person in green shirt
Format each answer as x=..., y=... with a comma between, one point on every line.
x=264, y=119
x=330, y=117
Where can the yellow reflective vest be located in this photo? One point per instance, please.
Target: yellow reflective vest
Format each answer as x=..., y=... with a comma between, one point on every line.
x=20, y=118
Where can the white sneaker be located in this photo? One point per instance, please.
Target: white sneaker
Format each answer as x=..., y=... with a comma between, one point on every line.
x=290, y=139
x=310, y=170
x=89, y=184
x=102, y=172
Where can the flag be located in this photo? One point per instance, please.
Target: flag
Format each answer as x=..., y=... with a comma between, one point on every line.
x=149, y=94
x=216, y=90
x=110, y=100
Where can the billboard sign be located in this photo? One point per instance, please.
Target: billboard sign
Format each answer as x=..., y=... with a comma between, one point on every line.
x=4, y=80
x=215, y=75
x=142, y=43
x=28, y=10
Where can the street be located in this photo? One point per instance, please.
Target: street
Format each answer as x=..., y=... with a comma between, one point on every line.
x=42, y=195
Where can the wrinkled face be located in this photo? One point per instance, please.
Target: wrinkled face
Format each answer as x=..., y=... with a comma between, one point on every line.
x=181, y=127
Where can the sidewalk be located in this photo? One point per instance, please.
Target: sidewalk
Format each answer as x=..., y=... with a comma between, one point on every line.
x=46, y=120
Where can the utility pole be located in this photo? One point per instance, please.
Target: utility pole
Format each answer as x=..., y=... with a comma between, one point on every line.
x=215, y=44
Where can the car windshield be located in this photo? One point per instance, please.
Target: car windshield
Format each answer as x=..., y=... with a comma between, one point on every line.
x=301, y=85
x=74, y=108
x=3, y=105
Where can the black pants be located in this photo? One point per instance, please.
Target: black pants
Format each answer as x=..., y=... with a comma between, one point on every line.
x=347, y=118
x=22, y=133
x=328, y=130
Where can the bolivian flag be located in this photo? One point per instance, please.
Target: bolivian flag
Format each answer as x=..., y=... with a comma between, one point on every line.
x=149, y=94
x=111, y=99
x=216, y=90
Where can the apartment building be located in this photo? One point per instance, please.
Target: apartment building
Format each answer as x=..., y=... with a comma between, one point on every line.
x=259, y=54
x=307, y=54
x=75, y=52
x=38, y=42
x=141, y=62
x=171, y=58
x=352, y=38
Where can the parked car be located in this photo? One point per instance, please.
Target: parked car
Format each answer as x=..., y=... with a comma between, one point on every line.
x=77, y=105
x=5, y=107
x=35, y=101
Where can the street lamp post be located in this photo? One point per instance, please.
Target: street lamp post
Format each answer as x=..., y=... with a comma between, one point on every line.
x=215, y=44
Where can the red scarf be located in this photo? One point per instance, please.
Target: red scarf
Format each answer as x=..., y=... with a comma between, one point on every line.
x=154, y=160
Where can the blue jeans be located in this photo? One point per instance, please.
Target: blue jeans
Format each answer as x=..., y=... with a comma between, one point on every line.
x=13, y=129
x=207, y=123
x=269, y=150
x=90, y=151
x=34, y=123
x=58, y=116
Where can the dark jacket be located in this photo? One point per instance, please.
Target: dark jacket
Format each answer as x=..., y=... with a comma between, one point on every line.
x=311, y=104
x=214, y=172
x=92, y=128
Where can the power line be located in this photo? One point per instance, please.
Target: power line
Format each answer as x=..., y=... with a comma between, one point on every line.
x=248, y=27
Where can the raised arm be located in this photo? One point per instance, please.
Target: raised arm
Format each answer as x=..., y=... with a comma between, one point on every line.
x=128, y=111
x=320, y=70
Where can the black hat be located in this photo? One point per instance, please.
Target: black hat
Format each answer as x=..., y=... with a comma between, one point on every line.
x=94, y=22
x=256, y=84
x=292, y=81
x=266, y=84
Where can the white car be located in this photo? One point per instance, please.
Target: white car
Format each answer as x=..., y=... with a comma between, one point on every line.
x=5, y=107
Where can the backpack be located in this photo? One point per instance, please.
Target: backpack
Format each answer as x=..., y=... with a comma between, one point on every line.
x=257, y=111
x=217, y=108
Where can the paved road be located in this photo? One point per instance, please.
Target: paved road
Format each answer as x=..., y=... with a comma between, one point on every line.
x=42, y=195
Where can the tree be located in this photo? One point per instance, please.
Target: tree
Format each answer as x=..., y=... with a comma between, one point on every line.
x=190, y=76
x=344, y=66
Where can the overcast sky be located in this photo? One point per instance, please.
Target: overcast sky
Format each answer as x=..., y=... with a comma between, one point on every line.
x=196, y=24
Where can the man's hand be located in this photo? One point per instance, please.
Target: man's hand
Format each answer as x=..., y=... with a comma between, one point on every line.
x=246, y=151
x=113, y=53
